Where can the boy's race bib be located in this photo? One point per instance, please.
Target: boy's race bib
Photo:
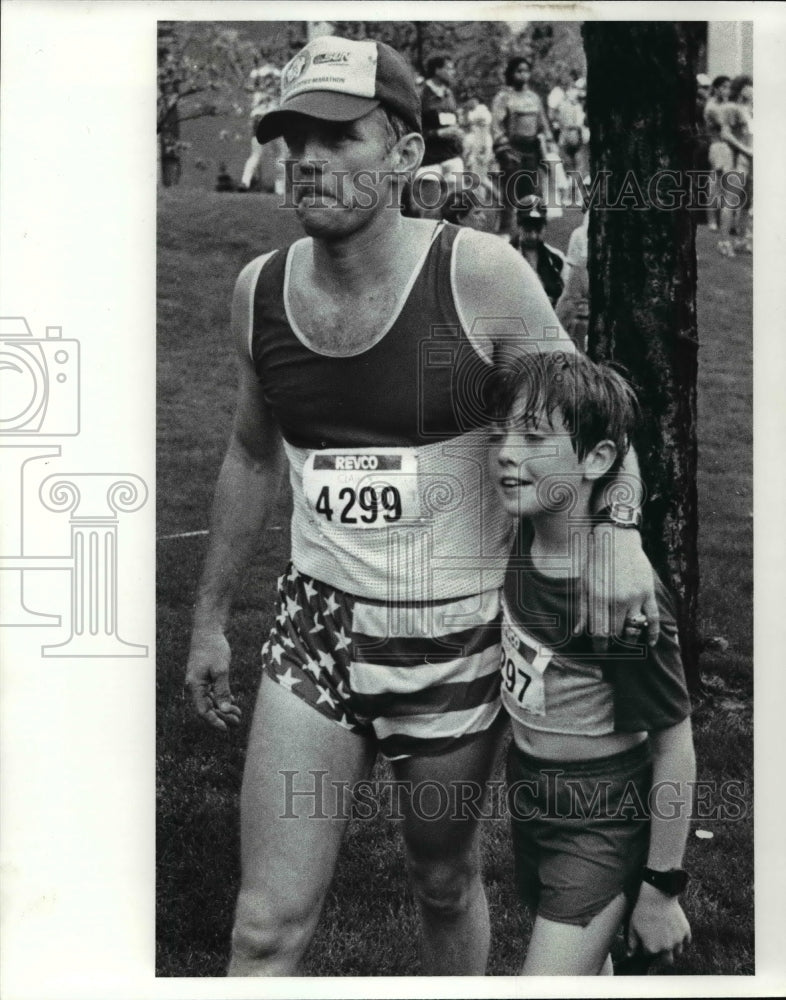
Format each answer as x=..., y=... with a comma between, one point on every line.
x=524, y=661
x=360, y=488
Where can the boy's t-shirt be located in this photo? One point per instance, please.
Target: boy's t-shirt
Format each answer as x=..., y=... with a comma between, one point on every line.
x=554, y=681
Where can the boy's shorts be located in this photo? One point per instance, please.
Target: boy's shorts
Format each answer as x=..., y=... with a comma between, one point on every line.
x=420, y=678
x=580, y=830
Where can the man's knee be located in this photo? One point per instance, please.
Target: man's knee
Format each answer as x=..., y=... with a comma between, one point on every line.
x=446, y=887
x=268, y=932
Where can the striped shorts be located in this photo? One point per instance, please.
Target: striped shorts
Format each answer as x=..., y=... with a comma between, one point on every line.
x=420, y=678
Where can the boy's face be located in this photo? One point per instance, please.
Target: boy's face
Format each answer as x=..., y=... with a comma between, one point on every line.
x=533, y=466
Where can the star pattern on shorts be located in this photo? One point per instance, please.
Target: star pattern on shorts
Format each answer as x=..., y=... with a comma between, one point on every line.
x=277, y=652
x=287, y=679
x=343, y=641
x=331, y=604
x=293, y=575
x=317, y=628
x=325, y=695
x=292, y=607
x=344, y=721
x=326, y=659
x=309, y=589
x=312, y=667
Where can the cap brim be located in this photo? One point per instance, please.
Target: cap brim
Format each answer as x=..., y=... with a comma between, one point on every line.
x=323, y=104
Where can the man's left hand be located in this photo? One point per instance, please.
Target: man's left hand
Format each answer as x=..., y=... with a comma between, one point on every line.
x=619, y=584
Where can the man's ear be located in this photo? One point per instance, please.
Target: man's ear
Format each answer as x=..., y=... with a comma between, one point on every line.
x=407, y=153
x=599, y=460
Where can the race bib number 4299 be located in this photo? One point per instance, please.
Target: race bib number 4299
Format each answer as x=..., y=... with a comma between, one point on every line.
x=362, y=488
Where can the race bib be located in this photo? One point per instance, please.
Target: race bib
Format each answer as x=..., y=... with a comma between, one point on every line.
x=446, y=118
x=524, y=661
x=362, y=488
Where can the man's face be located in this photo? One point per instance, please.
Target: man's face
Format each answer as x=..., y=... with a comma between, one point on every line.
x=446, y=73
x=521, y=75
x=341, y=172
x=531, y=463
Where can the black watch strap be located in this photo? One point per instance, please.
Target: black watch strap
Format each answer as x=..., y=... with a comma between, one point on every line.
x=671, y=882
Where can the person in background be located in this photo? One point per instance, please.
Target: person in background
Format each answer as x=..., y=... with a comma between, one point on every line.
x=472, y=209
x=519, y=126
x=545, y=260
x=263, y=82
x=444, y=138
x=573, y=305
x=478, y=149
x=719, y=154
x=737, y=131
x=572, y=146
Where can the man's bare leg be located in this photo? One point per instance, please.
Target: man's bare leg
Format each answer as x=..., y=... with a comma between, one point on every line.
x=444, y=858
x=288, y=853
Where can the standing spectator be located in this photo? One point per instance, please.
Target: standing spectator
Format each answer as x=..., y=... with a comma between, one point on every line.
x=719, y=155
x=264, y=85
x=518, y=125
x=570, y=115
x=572, y=307
x=478, y=151
x=545, y=260
x=737, y=131
x=443, y=159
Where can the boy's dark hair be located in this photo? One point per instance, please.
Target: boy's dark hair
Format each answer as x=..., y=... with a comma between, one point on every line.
x=595, y=401
x=513, y=65
x=718, y=82
x=435, y=63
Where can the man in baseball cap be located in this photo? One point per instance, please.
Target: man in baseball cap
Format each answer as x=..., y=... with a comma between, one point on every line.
x=340, y=80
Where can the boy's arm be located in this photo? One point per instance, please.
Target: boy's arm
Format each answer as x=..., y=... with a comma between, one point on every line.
x=247, y=487
x=658, y=925
x=506, y=313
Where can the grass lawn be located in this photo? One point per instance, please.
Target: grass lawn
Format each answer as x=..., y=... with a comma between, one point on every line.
x=368, y=926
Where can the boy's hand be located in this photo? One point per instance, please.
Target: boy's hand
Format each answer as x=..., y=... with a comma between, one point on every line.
x=618, y=584
x=658, y=926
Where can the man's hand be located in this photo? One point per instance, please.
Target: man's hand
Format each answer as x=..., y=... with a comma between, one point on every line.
x=658, y=926
x=207, y=679
x=618, y=584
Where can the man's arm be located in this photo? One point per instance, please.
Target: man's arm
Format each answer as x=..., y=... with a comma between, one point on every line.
x=506, y=313
x=657, y=925
x=247, y=487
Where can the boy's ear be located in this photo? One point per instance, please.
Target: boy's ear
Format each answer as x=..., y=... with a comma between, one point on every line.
x=599, y=460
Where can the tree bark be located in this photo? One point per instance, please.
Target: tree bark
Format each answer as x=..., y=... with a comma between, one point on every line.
x=641, y=80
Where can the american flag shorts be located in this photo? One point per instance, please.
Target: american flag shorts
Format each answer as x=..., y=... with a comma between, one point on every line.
x=420, y=678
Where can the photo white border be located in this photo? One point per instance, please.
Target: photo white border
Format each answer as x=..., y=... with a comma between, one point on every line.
x=77, y=250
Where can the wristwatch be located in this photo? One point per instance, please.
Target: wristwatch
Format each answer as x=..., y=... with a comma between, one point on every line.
x=621, y=515
x=670, y=883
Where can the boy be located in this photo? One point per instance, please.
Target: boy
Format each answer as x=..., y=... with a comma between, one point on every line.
x=599, y=743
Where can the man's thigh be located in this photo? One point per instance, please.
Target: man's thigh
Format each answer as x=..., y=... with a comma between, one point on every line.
x=291, y=819
x=445, y=797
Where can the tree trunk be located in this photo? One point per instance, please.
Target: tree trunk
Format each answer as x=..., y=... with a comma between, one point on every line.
x=641, y=80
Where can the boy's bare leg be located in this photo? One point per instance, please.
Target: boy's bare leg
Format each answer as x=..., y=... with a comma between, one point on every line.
x=444, y=857
x=288, y=854
x=566, y=950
